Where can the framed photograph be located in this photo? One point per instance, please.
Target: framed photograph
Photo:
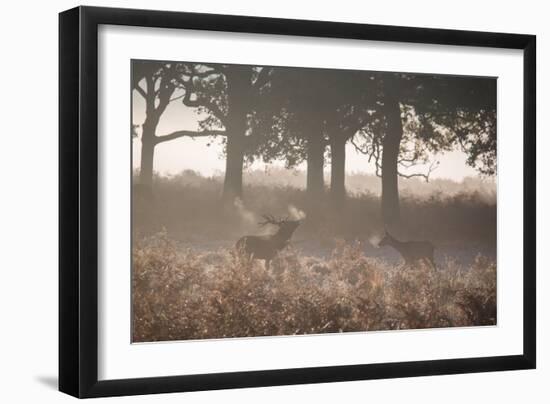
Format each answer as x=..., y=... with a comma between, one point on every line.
x=251, y=201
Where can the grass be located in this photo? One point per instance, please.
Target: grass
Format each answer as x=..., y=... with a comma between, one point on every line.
x=189, y=207
x=182, y=294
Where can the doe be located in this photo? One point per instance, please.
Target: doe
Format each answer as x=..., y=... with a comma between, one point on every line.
x=411, y=251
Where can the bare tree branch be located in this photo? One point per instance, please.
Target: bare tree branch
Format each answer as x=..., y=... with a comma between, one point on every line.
x=374, y=154
x=140, y=90
x=426, y=176
x=359, y=148
x=177, y=98
x=190, y=133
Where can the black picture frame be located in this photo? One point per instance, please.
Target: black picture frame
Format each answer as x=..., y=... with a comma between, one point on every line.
x=78, y=201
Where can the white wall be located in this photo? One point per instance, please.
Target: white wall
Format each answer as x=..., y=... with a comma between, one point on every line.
x=28, y=221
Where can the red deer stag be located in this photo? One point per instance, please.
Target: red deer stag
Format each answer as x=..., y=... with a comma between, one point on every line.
x=266, y=247
x=411, y=251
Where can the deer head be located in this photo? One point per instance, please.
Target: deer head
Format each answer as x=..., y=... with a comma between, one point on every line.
x=285, y=225
x=386, y=240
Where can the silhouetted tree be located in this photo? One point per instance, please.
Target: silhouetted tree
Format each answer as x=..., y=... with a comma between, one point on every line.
x=227, y=94
x=310, y=109
x=466, y=108
x=154, y=82
x=422, y=114
x=157, y=83
x=351, y=103
x=291, y=123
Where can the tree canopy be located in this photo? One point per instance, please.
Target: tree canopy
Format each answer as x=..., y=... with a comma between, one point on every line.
x=397, y=120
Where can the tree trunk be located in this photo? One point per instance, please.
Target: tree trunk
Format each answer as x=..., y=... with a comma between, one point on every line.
x=338, y=170
x=238, y=79
x=390, y=154
x=315, y=163
x=147, y=154
x=233, y=183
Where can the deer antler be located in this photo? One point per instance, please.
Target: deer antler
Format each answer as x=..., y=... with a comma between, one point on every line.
x=270, y=219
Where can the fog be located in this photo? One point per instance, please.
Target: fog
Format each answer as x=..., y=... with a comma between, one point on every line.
x=205, y=155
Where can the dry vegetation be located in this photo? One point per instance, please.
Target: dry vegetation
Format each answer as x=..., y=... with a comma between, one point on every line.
x=181, y=294
x=188, y=282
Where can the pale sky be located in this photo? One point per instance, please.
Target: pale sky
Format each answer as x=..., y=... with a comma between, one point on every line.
x=184, y=153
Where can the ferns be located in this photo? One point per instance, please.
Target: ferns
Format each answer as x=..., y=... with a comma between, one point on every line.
x=181, y=294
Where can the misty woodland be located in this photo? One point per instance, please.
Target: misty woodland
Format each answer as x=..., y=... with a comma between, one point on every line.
x=283, y=200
